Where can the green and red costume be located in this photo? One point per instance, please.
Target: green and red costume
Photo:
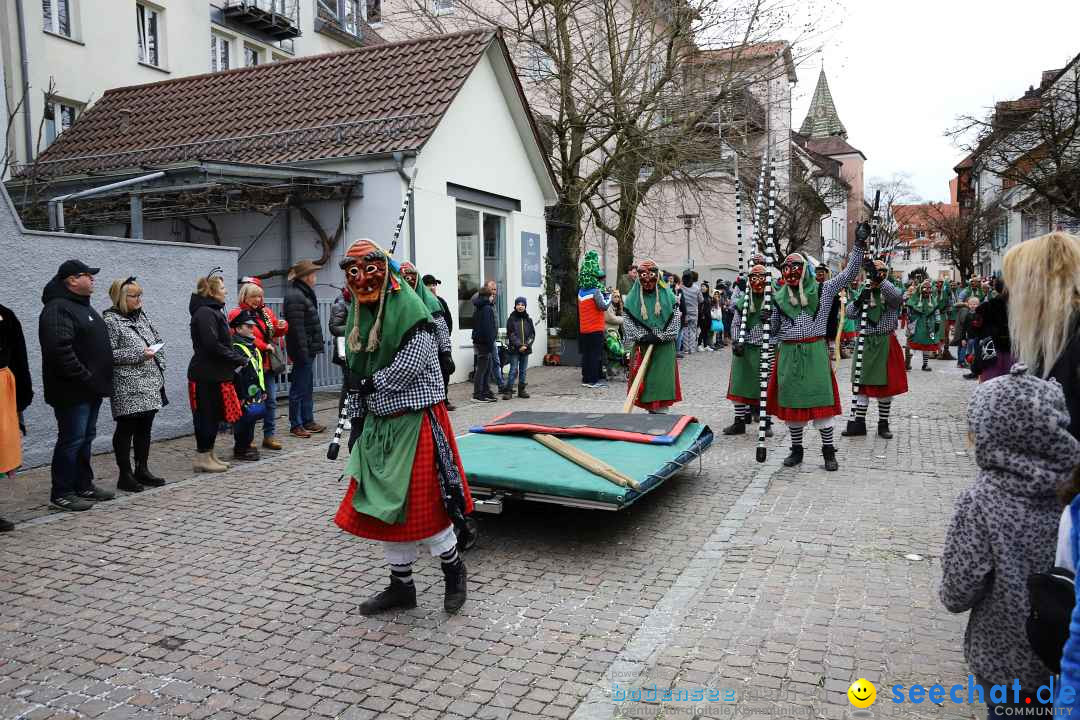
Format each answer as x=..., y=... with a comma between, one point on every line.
x=653, y=314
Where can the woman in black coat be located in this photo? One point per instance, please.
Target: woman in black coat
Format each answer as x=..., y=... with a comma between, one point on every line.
x=210, y=372
x=16, y=392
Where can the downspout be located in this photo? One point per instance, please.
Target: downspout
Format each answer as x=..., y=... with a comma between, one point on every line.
x=399, y=162
x=27, y=128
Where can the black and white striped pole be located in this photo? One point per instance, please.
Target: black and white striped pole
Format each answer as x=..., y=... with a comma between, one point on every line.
x=766, y=320
x=404, y=210
x=857, y=365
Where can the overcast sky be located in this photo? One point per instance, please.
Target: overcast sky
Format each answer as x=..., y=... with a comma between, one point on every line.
x=900, y=73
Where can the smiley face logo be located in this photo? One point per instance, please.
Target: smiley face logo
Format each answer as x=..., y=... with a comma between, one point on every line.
x=862, y=693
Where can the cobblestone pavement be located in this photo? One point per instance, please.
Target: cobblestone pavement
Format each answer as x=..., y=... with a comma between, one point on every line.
x=233, y=595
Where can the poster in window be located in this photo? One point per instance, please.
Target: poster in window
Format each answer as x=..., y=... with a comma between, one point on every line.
x=531, y=273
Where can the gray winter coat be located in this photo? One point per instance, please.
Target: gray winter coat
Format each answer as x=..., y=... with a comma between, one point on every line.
x=1004, y=527
x=137, y=382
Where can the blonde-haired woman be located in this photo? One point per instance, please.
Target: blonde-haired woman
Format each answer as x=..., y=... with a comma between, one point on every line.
x=1043, y=281
x=268, y=331
x=138, y=382
x=210, y=371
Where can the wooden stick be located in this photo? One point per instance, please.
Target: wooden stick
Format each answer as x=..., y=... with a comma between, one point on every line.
x=583, y=459
x=635, y=386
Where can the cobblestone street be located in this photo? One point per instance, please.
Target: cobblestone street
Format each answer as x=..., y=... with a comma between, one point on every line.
x=234, y=595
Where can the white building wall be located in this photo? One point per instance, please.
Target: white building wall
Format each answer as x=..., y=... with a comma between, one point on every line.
x=477, y=145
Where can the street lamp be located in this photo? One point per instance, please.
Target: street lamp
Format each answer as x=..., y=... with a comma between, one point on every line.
x=688, y=225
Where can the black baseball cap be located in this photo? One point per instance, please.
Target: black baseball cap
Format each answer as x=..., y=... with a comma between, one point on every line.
x=244, y=317
x=75, y=267
x=431, y=280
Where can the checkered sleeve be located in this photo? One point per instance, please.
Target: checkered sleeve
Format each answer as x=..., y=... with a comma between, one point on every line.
x=413, y=381
x=442, y=334
x=754, y=335
x=833, y=286
x=632, y=331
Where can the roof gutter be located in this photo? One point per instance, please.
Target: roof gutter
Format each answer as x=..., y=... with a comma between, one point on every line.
x=56, y=205
x=399, y=165
x=25, y=64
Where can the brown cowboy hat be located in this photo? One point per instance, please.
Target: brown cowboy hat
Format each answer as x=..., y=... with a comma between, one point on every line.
x=302, y=269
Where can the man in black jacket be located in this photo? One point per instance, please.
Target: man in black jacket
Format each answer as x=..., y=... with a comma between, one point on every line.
x=304, y=341
x=484, y=335
x=77, y=366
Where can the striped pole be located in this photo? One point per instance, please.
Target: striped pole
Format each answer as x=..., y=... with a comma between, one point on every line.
x=766, y=321
x=857, y=366
x=335, y=443
x=404, y=209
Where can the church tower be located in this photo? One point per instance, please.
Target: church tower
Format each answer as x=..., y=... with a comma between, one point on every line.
x=826, y=135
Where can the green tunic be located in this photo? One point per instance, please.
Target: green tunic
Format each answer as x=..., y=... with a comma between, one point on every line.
x=804, y=375
x=922, y=321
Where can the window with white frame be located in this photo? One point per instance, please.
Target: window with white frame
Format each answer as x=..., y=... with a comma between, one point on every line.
x=56, y=15
x=59, y=116
x=946, y=254
x=251, y=55
x=148, y=25
x=907, y=253
x=920, y=234
x=443, y=7
x=924, y=253
x=219, y=52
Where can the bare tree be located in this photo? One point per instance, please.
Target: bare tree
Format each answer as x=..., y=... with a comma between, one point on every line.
x=895, y=191
x=1032, y=142
x=964, y=234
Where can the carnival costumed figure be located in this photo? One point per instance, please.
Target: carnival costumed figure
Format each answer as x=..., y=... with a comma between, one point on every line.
x=883, y=373
x=438, y=315
x=744, y=382
x=923, y=319
x=802, y=387
x=652, y=317
x=592, y=303
x=948, y=318
x=406, y=484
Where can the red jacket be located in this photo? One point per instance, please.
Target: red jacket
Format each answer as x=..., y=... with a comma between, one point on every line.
x=266, y=330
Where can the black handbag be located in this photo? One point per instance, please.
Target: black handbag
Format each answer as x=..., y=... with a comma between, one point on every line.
x=1052, y=596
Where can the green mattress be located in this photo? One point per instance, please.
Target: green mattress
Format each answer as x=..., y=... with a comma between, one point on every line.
x=520, y=465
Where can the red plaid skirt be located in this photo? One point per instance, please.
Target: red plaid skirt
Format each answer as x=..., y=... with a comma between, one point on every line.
x=635, y=363
x=896, y=374
x=424, y=512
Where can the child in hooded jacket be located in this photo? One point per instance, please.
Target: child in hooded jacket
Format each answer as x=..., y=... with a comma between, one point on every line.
x=1005, y=525
x=520, y=335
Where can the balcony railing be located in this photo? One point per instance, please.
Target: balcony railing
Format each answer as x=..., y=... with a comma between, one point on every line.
x=280, y=19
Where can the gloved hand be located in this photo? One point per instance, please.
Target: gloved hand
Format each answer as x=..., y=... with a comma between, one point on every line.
x=364, y=385
x=862, y=234
x=446, y=362
x=649, y=339
x=737, y=349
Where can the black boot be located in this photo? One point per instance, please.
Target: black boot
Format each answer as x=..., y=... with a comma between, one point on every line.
x=454, y=574
x=521, y=392
x=397, y=595
x=144, y=477
x=6, y=525
x=127, y=482
x=736, y=428
x=829, y=453
x=768, y=427
x=883, y=429
x=795, y=457
x=855, y=428
x=508, y=392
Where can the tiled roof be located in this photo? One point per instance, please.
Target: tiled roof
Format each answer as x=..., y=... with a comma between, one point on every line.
x=372, y=100
x=821, y=119
x=832, y=146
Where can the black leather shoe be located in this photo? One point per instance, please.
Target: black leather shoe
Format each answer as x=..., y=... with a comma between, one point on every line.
x=397, y=595
x=455, y=577
x=144, y=477
x=736, y=428
x=883, y=429
x=6, y=525
x=128, y=483
x=795, y=457
x=855, y=428
x=829, y=453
